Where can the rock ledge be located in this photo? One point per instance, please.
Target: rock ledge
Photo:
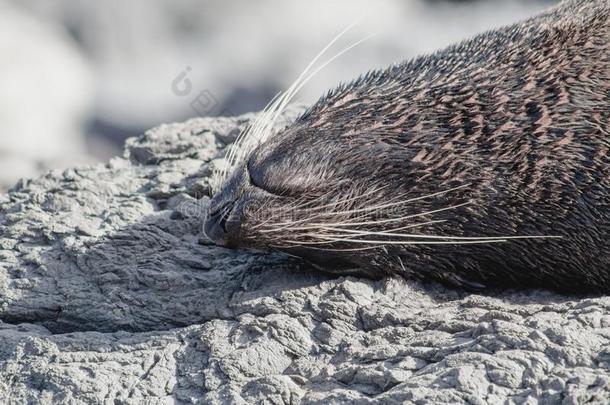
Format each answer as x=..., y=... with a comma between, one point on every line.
x=109, y=293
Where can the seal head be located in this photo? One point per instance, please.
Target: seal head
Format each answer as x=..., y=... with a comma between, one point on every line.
x=484, y=164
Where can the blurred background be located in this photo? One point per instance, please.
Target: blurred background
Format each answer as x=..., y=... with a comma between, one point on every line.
x=79, y=77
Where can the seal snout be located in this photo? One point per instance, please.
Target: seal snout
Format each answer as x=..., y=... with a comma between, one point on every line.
x=215, y=225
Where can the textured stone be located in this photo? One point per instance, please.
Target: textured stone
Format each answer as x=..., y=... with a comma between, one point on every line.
x=109, y=293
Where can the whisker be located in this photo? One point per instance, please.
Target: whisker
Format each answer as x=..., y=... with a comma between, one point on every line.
x=339, y=224
x=311, y=75
x=291, y=206
x=367, y=209
x=262, y=127
x=245, y=138
x=341, y=250
x=401, y=265
x=391, y=242
x=264, y=123
x=416, y=236
x=357, y=197
x=394, y=204
x=321, y=224
x=220, y=175
x=384, y=221
x=294, y=207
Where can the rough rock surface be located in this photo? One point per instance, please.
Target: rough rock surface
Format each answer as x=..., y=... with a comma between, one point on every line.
x=109, y=293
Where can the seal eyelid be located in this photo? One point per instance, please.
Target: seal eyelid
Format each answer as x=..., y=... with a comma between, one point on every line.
x=254, y=182
x=250, y=178
x=267, y=187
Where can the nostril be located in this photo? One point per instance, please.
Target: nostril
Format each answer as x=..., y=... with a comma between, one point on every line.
x=221, y=216
x=216, y=222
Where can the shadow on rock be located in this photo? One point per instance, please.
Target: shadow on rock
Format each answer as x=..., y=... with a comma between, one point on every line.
x=153, y=275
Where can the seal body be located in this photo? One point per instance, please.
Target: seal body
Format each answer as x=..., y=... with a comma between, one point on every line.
x=486, y=164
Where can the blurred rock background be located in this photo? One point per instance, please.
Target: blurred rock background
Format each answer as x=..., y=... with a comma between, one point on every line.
x=78, y=77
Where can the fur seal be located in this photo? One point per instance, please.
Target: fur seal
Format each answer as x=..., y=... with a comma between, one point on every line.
x=485, y=164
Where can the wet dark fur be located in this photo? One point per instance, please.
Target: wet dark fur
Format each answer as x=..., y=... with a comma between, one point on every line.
x=519, y=114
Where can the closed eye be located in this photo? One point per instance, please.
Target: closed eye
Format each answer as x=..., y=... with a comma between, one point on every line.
x=258, y=181
x=252, y=178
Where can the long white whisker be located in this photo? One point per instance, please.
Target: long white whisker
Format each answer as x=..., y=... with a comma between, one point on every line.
x=385, y=221
x=416, y=236
x=284, y=225
x=329, y=239
x=302, y=79
x=263, y=126
x=220, y=175
x=278, y=226
x=321, y=224
x=392, y=242
x=240, y=144
x=329, y=61
x=329, y=249
x=350, y=199
x=394, y=204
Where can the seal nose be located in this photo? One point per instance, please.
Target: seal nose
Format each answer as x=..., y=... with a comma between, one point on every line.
x=215, y=226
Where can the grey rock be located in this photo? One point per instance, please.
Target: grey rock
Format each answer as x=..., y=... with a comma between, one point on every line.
x=110, y=293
